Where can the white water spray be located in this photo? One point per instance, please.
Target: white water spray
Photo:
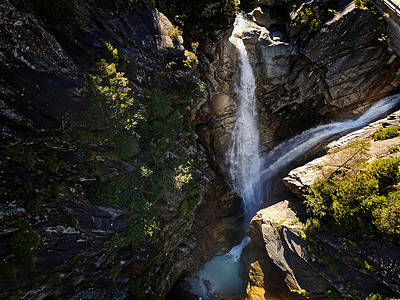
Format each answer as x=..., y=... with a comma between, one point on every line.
x=243, y=155
x=221, y=274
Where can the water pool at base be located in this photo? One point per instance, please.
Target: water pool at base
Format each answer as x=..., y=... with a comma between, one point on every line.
x=220, y=275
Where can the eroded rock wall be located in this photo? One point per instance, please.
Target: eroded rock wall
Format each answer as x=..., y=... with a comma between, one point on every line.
x=42, y=93
x=303, y=77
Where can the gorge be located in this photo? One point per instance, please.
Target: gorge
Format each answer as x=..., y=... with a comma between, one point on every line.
x=129, y=161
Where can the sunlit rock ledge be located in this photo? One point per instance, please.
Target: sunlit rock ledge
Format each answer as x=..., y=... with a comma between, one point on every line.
x=287, y=261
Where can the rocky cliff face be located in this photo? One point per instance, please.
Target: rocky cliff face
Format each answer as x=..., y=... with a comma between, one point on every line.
x=326, y=263
x=54, y=240
x=305, y=75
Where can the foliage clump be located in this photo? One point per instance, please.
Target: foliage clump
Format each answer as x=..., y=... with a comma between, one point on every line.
x=315, y=17
x=386, y=133
x=144, y=131
x=370, y=6
x=21, y=244
x=374, y=296
x=175, y=33
x=368, y=200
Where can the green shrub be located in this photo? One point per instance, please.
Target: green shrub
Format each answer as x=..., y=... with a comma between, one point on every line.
x=33, y=202
x=193, y=16
x=361, y=4
x=109, y=53
x=370, y=6
x=21, y=244
x=230, y=8
x=23, y=155
x=119, y=121
x=379, y=297
x=386, y=133
x=111, y=100
x=367, y=200
x=115, y=270
x=175, y=33
x=394, y=149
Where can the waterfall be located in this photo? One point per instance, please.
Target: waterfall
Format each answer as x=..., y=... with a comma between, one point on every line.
x=252, y=175
x=221, y=274
x=243, y=155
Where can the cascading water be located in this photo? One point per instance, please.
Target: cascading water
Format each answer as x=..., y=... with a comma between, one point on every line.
x=292, y=149
x=243, y=155
x=221, y=274
x=252, y=176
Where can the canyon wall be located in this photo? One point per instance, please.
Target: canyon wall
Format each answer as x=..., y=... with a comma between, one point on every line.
x=303, y=78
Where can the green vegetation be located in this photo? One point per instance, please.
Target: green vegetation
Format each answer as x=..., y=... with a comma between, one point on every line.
x=367, y=200
x=302, y=292
x=332, y=294
x=32, y=203
x=21, y=244
x=394, y=149
x=379, y=297
x=315, y=17
x=386, y=133
x=362, y=263
x=175, y=33
x=192, y=17
x=115, y=270
x=320, y=256
x=368, y=5
x=144, y=133
x=23, y=155
x=278, y=226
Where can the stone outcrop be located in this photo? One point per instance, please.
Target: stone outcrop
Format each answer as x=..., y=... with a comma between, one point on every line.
x=277, y=231
x=329, y=75
x=339, y=152
x=342, y=264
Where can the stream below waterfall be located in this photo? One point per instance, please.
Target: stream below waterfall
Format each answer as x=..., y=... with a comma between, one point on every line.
x=252, y=175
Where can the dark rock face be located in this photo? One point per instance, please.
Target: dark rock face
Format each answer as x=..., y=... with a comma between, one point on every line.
x=45, y=176
x=333, y=75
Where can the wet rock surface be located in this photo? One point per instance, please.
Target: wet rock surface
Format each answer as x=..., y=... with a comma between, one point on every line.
x=301, y=80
